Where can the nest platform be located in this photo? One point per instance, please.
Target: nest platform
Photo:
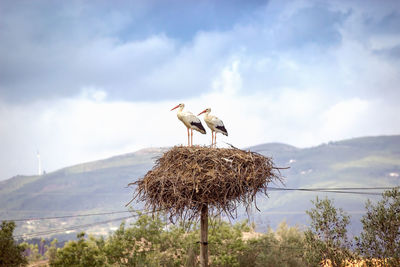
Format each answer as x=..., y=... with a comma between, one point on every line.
x=186, y=178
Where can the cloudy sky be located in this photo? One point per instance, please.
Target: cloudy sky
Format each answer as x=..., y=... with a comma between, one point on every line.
x=84, y=80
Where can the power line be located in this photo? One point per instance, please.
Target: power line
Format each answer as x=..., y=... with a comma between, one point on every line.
x=71, y=228
x=66, y=216
x=354, y=188
x=341, y=190
x=338, y=188
x=75, y=227
x=333, y=190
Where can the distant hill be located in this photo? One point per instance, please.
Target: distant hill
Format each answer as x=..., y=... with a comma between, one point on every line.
x=101, y=185
x=94, y=185
x=359, y=162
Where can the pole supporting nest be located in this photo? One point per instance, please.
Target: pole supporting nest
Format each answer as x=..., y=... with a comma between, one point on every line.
x=204, y=236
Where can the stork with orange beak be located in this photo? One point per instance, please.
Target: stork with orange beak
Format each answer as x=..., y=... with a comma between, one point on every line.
x=191, y=122
x=215, y=124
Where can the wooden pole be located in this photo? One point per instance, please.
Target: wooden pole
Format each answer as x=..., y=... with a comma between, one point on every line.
x=204, y=236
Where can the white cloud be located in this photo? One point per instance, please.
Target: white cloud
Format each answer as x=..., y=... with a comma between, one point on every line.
x=264, y=90
x=344, y=117
x=230, y=81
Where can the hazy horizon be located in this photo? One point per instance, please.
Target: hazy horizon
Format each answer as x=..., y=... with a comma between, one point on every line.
x=151, y=148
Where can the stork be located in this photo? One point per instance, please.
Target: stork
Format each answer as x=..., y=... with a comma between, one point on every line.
x=191, y=122
x=215, y=124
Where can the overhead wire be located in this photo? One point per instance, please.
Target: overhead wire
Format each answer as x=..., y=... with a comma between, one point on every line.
x=327, y=190
x=66, y=216
x=342, y=190
x=75, y=227
x=352, y=188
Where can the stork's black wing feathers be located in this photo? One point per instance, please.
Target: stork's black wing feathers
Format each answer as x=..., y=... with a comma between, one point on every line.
x=199, y=126
x=222, y=128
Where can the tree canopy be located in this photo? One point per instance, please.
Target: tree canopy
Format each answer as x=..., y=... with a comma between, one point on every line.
x=380, y=238
x=11, y=254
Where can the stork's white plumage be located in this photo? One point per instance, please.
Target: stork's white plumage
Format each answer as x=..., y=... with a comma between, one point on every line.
x=215, y=124
x=191, y=122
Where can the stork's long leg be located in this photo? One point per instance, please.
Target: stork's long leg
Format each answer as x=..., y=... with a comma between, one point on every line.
x=215, y=135
x=188, y=137
x=191, y=130
x=212, y=138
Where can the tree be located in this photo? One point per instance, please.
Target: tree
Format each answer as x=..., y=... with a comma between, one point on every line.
x=380, y=238
x=11, y=254
x=283, y=248
x=51, y=251
x=291, y=245
x=327, y=237
x=84, y=253
x=151, y=242
x=138, y=245
x=31, y=252
x=226, y=242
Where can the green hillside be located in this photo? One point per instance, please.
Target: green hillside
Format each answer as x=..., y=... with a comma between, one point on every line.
x=360, y=162
x=94, y=185
x=101, y=185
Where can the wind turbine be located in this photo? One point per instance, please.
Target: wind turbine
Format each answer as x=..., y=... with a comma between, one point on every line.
x=39, y=163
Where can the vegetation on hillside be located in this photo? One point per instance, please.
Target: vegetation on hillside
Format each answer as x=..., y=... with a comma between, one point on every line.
x=152, y=241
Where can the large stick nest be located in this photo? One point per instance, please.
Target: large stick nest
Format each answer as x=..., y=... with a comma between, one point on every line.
x=186, y=178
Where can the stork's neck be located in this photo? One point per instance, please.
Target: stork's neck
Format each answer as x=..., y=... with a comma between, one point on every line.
x=180, y=109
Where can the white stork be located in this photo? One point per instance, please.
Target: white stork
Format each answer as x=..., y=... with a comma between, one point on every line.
x=191, y=122
x=215, y=124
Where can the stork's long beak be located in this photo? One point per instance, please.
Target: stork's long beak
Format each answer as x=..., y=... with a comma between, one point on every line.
x=175, y=107
x=204, y=111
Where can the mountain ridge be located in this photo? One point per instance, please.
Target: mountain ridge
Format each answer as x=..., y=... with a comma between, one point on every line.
x=257, y=148
x=102, y=185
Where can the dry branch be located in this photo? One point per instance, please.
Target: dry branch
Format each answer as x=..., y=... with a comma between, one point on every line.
x=185, y=178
